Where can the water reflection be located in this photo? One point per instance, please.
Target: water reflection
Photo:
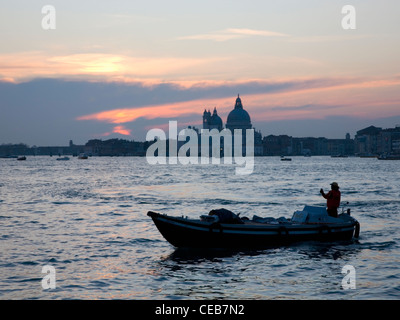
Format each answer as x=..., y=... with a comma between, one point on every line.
x=343, y=250
x=313, y=249
x=199, y=273
x=223, y=274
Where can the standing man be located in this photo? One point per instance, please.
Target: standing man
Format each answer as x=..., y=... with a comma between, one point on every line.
x=333, y=199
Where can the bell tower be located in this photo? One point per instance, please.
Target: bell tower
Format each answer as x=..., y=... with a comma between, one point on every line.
x=206, y=119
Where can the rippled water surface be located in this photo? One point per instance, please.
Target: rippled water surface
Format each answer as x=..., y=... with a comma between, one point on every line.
x=87, y=219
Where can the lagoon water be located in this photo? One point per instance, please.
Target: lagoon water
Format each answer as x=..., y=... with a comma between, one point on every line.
x=87, y=219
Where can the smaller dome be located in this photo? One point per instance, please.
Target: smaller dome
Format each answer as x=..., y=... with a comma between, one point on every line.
x=215, y=119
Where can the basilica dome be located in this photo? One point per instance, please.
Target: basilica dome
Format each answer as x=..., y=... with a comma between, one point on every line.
x=238, y=118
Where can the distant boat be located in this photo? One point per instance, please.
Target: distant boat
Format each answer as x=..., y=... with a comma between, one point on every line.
x=21, y=158
x=368, y=156
x=285, y=159
x=63, y=158
x=389, y=157
x=83, y=156
x=339, y=156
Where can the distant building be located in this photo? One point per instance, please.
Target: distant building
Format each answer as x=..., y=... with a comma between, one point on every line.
x=8, y=150
x=284, y=145
x=367, y=141
x=95, y=147
x=238, y=119
x=375, y=141
x=277, y=145
x=115, y=147
x=212, y=121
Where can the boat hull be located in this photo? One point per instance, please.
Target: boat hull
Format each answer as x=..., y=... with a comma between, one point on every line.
x=183, y=232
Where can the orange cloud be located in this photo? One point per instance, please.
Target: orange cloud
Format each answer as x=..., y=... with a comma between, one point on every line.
x=28, y=65
x=171, y=110
x=351, y=97
x=88, y=63
x=122, y=130
x=117, y=129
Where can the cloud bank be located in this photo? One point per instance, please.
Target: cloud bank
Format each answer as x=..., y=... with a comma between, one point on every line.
x=60, y=110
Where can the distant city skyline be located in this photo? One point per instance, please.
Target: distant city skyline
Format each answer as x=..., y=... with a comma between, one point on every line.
x=99, y=69
x=369, y=142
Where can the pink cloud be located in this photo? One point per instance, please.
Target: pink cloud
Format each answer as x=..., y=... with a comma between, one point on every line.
x=122, y=130
x=305, y=99
x=170, y=110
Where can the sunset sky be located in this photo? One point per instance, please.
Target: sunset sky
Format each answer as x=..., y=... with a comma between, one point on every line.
x=115, y=69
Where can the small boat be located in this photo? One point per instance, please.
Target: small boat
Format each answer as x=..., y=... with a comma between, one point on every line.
x=223, y=229
x=285, y=159
x=83, y=156
x=62, y=158
x=21, y=158
x=389, y=157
